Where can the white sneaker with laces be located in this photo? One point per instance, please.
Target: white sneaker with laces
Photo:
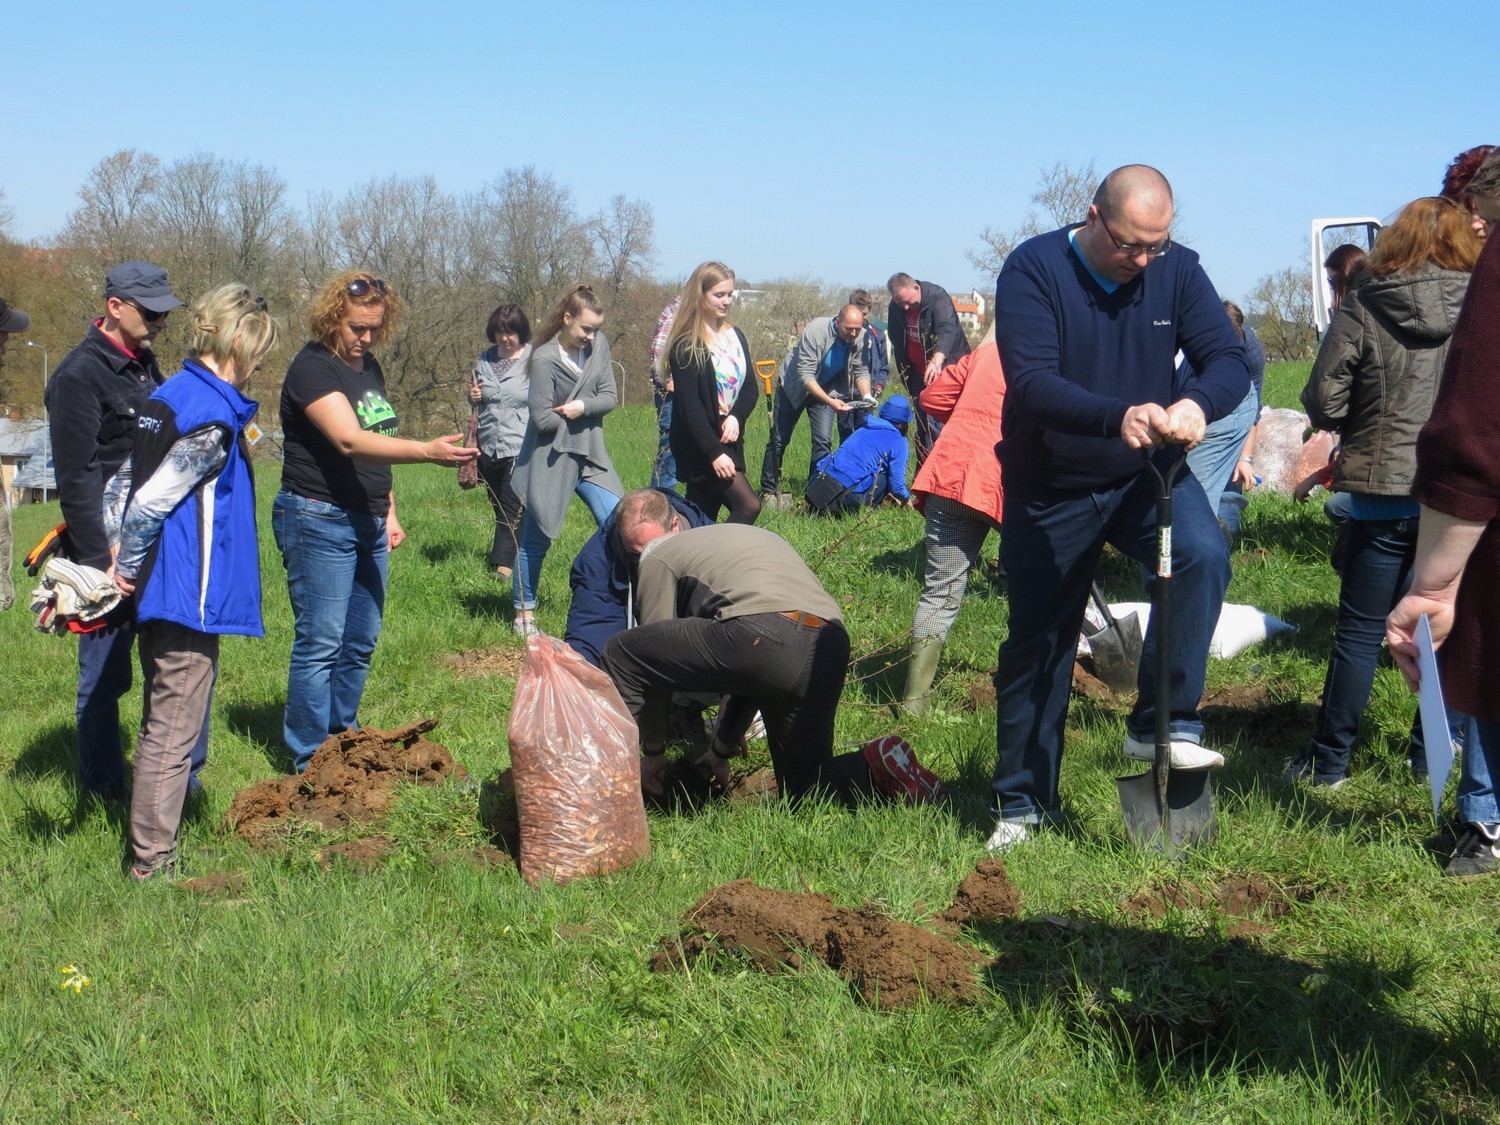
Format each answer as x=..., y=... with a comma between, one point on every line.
x=1007, y=834
x=1184, y=755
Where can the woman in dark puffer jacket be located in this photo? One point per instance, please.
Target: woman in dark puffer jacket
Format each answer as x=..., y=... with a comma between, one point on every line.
x=1374, y=381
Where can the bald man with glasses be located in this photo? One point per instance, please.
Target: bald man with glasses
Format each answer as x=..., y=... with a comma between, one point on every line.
x=1089, y=320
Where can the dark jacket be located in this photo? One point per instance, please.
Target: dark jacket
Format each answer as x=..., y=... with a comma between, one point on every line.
x=938, y=326
x=1377, y=372
x=93, y=401
x=872, y=352
x=695, y=412
x=601, y=581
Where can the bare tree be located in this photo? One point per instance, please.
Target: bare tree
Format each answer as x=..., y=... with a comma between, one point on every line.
x=1280, y=311
x=114, y=216
x=624, y=238
x=527, y=238
x=1062, y=196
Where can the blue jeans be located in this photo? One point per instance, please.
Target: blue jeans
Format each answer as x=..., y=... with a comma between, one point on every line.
x=1050, y=549
x=535, y=544
x=336, y=567
x=1212, y=460
x=664, y=472
x=1477, y=803
x=103, y=677
x=1375, y=577
x=819, y=419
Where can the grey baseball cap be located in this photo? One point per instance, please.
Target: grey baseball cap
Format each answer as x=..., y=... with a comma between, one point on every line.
x=143, y=283
x=12, y=320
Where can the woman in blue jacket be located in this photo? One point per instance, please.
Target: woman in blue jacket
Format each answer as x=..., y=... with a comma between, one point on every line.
x=188, y=552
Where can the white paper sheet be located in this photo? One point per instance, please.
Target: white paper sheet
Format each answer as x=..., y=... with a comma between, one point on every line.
x=1434, y=717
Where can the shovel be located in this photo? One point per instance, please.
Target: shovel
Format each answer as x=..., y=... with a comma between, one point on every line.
x=1166, y=810
x=1116, y=647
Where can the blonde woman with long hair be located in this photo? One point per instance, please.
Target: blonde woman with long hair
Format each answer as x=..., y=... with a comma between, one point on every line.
x=714, y=396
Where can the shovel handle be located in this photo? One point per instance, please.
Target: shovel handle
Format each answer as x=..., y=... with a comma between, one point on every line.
x=1161, y=622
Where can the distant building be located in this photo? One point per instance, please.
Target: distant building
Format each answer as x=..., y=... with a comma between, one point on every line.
x=970, y=309
x=22, y=464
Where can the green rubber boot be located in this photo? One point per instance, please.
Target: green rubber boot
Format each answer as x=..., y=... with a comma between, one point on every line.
x=920, y=672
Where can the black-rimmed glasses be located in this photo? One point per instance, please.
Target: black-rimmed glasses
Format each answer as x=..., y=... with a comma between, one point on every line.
x=1136, y=249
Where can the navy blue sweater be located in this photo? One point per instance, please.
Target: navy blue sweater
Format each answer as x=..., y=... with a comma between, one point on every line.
x=1076, y=358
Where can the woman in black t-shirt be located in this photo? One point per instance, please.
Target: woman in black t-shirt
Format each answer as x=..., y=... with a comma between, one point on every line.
x=335, y=516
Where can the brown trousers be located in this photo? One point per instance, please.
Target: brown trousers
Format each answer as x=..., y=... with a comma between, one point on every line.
x=178, y=666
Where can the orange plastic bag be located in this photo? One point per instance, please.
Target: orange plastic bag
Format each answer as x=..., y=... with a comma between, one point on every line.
x=573, y=748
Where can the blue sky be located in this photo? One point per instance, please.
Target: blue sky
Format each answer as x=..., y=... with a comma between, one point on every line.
x=839, y=141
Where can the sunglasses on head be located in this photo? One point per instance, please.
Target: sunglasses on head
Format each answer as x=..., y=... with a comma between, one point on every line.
x=361, y=286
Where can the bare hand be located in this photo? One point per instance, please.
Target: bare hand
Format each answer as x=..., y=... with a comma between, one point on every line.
x=1142, y=425
x=1244, y=474
x=934, y=367
x=1306, y=485
x=669, y=386
x=718, y=769
x=569, y=410
x=1401, y=631
x=475, y=393
x=395, y=534
x=841, y=406
x=1185, y=423
x=653, y=774
x=729, y=432
x=126, y=586
x=723, y=467
x=446, y=450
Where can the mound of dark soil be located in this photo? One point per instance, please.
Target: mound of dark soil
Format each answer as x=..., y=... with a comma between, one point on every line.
x=889, y=963
x=352, y=779
x=228, y=883
x=985, y=895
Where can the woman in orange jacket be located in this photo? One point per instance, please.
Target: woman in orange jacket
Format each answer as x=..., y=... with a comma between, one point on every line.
x=958, y=491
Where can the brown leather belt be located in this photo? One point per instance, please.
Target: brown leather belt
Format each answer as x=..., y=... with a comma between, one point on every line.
x=811, y=620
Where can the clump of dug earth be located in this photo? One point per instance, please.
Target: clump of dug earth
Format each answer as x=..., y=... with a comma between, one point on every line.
x=889, y=963
x=351, y=780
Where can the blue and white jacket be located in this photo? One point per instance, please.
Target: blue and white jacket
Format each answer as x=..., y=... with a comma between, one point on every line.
x=188, y=538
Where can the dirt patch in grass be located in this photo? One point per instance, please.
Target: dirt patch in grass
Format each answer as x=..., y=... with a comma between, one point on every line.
x=363, y=854
x=985, y=895
x=889, y=963
x=1247, y=902
x=979, y=692
x=351, y=779
x=1247, y=711
x=228, y=883
x=502, y=661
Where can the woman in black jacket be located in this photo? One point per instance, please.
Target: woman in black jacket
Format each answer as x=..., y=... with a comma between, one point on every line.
x=714, y=395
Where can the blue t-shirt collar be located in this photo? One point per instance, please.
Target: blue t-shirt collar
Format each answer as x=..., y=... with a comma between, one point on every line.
x=1104, y=283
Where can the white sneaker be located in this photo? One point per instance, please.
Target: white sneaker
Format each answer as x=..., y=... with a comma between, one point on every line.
x=1184, y=755
x=1007, y=834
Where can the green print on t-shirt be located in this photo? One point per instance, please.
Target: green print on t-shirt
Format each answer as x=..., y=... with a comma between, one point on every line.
x=375, y=413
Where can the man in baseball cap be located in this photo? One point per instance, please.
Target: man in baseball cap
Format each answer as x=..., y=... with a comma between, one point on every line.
x=94, y=399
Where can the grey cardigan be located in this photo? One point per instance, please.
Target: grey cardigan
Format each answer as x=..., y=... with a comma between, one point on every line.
x=504, y=406
x=558, y=453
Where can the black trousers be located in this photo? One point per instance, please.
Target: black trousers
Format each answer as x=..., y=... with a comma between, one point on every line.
x=792, y=673
x=495, y=472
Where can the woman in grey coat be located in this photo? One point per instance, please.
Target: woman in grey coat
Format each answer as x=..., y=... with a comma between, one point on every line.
x=572, y=389
x=500, y=396
x=1374, y=382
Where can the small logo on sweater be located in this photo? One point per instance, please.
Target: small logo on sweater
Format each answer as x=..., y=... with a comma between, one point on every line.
x=1161, y=324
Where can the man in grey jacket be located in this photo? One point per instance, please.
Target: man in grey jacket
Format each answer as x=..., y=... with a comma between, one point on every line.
x=825, y=366
x=732, y=609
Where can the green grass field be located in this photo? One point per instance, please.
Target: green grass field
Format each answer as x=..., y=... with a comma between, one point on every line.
x=456, y=993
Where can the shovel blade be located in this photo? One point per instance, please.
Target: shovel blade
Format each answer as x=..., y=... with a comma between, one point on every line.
x=1116, y=649
x=1187, y=819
